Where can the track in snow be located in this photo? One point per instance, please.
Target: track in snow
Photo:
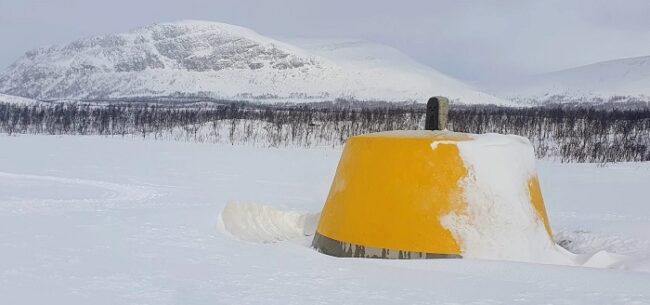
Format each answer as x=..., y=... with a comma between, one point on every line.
x=18, y=192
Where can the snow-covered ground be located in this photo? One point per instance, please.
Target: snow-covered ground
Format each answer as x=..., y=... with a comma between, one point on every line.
x=94, y=220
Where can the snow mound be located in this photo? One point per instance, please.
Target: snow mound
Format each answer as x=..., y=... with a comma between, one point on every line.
x=264, y=224
x=601, y=259
x=582, y=241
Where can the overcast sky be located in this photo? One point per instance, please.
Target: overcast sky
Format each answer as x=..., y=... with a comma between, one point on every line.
x=471, y=40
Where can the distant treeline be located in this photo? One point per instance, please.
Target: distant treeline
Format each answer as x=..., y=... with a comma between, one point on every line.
x=572, y=134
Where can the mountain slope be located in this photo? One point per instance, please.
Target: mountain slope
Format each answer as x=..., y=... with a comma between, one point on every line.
x=621, y=79
x=216, y=60
x=16, y=100
x=387, y=67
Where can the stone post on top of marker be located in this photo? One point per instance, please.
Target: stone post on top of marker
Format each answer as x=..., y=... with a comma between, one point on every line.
x=437, y=112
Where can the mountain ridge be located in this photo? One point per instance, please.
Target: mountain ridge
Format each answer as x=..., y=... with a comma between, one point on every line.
x=217, y=60
x=624, y=79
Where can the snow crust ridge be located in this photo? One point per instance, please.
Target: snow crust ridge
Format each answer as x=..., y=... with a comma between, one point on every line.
x=264, y=224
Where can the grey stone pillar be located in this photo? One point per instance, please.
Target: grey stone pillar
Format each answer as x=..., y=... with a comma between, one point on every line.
x=437, y=112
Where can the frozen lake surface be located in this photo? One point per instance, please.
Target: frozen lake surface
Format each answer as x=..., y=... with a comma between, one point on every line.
x=94, y=220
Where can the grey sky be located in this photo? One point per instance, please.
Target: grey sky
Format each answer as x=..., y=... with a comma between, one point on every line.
x=471, y=40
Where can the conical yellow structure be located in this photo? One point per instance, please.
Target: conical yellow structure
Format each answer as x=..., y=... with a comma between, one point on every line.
x=391, y=190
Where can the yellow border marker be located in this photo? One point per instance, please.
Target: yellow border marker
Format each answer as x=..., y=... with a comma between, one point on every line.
x=389, y=193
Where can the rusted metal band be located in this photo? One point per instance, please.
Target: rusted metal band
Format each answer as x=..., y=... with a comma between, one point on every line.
x=337, y=248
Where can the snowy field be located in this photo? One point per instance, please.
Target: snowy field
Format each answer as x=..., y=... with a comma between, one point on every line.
x=93, y=220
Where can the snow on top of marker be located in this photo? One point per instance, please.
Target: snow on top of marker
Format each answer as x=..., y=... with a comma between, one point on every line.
x=426, y=134
x=500, y=221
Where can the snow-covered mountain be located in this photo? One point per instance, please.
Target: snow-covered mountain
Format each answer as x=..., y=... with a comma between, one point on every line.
x=616, y=80
x=190, y=58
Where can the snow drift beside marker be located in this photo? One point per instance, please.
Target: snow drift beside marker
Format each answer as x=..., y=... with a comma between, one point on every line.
x=261, y=223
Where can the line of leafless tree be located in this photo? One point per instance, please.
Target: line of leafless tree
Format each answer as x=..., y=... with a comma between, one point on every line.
x=571, y=134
